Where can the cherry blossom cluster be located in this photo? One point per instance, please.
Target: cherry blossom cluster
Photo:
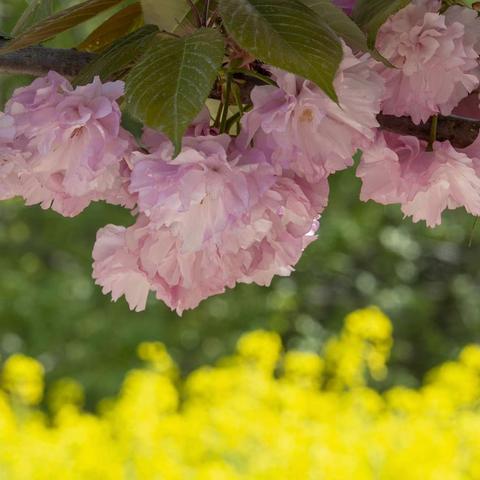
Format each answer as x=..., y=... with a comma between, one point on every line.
x=242, y=209
x=437, y=71
x=63, y=147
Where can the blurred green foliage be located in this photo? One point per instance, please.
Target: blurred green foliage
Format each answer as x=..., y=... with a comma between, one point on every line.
x=426, y=280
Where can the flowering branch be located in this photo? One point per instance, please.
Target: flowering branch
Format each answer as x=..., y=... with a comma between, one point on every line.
x=38, y=60
x=213, y=209
x=68, y=62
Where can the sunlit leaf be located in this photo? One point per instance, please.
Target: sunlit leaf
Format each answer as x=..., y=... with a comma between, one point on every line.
x=122, y=23
x=58, y=22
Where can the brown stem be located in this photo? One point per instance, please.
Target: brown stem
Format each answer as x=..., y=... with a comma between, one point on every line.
x=461, y=132
x=38, y=61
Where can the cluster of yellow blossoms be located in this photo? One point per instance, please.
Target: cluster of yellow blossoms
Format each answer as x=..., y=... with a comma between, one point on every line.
x=259, y=414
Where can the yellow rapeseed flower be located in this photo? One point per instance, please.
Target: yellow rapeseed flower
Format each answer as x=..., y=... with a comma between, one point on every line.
x=22, y=377
x=256, y=415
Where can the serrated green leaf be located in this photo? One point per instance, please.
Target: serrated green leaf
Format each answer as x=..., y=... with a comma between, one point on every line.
x=286, y=34
x=372, y=14
x=57, y=23
x=340, y=22
x=120, y=56
x=169, y=86
x=122, y=23
x=37, y=10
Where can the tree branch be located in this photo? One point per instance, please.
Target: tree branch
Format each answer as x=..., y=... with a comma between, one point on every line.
x=461, y=132
x=37, y=60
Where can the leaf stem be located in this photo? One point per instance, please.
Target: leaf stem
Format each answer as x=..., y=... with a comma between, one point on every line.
x=234, y=119
x=195, y=11
x=238, y=98
x=433, y=133
x=218, y=115
x=253, y=74
x=226, y=103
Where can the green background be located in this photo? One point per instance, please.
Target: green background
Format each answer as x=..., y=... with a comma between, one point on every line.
x=426, y=280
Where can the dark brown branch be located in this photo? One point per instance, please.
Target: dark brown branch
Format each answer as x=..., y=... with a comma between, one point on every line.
x=37, y=60
x=461, y=132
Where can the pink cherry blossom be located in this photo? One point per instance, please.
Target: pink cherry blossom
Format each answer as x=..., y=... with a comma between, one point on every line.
x=380, y=169
x=304, y=130
x=436, y=57
x=76, y=148
x=132, y=261
x=116, y=267
x=399, y=169
x=271, y=238
x=150, y=257
x=212, y=217
x=200, y=192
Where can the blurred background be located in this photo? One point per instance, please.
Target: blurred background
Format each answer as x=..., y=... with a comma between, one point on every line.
x=426, y=280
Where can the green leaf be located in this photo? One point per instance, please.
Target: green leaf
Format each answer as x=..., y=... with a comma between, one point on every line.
x=286, y=34
x=37, y=10
x=340, y=22
x=119, y=57
x=57, y=23
x=372, y=14
x=169, y=86
x=122, y=23
x=168, y=15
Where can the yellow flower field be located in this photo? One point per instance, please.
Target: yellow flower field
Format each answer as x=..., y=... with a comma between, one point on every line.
x=260, y=414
